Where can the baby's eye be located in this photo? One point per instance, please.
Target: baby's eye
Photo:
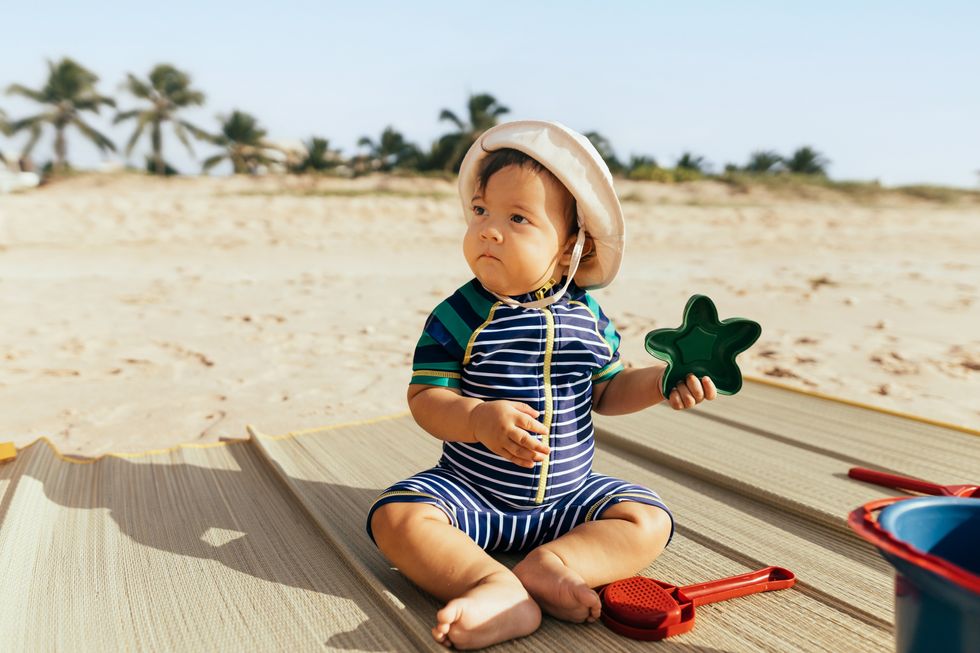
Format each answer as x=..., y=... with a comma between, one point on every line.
x=478, y=210
x=518, y=218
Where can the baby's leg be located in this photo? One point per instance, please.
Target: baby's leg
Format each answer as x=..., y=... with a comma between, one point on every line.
x=486, y=602
x=560, y=574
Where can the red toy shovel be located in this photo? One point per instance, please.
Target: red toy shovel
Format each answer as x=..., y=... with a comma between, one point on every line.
x=648, y=609
x=914, y=484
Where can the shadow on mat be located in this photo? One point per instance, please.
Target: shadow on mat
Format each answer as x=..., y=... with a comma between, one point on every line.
x=186, y=502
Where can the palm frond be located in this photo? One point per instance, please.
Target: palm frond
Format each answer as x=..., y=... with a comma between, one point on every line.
x=93, y=102
x=197, y=132
x=126, y=115
x=101, y=140
x=182, y=136
x=212, y=161
x=446, y=114
x=136, y=86
x=144, y=118
x=20, y=89
x=30, y=122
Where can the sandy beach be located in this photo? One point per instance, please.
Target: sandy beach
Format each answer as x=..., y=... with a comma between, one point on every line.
x=141, y=313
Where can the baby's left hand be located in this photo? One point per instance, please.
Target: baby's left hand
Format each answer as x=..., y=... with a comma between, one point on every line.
x=692, y=393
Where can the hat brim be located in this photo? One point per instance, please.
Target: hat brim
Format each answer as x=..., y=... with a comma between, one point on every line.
x=576, y=163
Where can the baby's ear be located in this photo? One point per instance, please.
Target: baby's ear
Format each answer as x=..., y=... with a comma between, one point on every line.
x=587, y=248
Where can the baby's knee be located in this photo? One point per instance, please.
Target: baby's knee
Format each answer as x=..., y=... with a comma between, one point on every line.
x=654, y=524
x=393, y=520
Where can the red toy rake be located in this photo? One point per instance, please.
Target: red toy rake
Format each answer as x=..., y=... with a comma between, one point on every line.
x=914, y=484
x=648, y=609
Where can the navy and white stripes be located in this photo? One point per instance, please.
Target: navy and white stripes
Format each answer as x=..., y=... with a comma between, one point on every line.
x=548, y=358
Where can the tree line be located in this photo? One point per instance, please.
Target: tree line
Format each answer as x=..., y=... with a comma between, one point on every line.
x=69, y=93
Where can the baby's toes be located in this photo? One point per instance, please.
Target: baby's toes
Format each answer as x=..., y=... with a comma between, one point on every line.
x=589, y=599
x=445, y=618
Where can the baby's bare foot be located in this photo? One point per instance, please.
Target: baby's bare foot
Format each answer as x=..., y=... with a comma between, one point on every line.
x=559, y=590
x=496, y=610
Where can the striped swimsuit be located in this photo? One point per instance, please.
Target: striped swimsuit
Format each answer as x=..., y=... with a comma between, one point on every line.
x=548, y=358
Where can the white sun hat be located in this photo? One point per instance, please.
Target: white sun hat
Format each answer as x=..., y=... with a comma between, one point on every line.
x=571, y=158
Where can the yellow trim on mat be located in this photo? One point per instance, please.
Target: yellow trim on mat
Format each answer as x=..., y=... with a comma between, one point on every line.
x=851, y=402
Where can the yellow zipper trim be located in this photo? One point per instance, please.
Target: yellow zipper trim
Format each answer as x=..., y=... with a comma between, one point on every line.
x=549, y=345
x=539, y=293
x=606, y=500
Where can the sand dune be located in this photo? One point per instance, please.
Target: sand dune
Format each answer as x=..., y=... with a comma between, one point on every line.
x=141, y=313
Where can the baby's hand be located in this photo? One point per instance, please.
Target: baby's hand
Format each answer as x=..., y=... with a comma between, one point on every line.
x=691, y=392
x=502, y=426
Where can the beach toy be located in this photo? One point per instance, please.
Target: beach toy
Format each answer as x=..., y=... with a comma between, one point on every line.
x=932, y=543
x=703, y=346
x=648, y=609
x=914, y=484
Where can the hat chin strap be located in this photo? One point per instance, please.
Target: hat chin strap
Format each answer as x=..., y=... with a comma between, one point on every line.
x=551, y=299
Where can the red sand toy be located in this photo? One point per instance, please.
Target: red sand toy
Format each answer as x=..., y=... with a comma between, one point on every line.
x=914, y=484
x=648, y=609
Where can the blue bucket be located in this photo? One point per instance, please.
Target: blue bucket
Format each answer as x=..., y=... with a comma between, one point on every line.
x=934, y=545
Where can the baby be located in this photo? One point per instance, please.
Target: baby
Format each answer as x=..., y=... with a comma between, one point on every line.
x=507, y=373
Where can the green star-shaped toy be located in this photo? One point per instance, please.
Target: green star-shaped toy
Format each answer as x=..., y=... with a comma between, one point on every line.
x=703, y=346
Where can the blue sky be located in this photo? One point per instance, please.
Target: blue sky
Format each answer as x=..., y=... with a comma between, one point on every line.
x=886, y=90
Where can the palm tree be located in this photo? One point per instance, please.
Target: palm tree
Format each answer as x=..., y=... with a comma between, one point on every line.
x=167, y=91
x=391, y=150
x=319, y=156
x=449, y=150
x=244, y=143
x=807, y=161
x=605, y=150
x=689, y=161
x=762, y=161
x=641, y=161
x=70, y=89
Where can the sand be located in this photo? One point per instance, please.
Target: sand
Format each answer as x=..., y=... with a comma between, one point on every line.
x=141, y=313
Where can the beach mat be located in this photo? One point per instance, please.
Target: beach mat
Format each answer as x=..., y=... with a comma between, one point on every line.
x=259, y=544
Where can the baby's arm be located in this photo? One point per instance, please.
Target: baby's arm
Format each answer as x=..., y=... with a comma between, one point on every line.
x=631, y=390
x=502, y=426
x=443, y=412
x=634, y=389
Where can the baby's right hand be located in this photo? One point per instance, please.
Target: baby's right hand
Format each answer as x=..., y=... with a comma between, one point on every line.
x=502, y=426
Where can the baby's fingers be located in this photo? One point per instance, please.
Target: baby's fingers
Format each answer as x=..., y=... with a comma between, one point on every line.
x=528, y=423
x=710, y=391
x=524, y=440
x=694, y=386
x=520, y=456
x=681, y=398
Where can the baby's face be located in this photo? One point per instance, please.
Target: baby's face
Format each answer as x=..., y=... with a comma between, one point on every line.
x=518, y=231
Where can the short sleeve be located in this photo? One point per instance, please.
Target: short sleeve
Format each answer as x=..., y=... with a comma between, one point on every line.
x=436, y=360
x=607, y=330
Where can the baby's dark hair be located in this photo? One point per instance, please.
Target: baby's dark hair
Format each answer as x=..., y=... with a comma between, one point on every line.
x=496, y=160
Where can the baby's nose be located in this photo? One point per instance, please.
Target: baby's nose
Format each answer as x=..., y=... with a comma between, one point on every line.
x=491, y=234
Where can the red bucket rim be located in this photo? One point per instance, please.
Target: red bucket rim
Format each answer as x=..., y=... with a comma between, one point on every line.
x=865, y=523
